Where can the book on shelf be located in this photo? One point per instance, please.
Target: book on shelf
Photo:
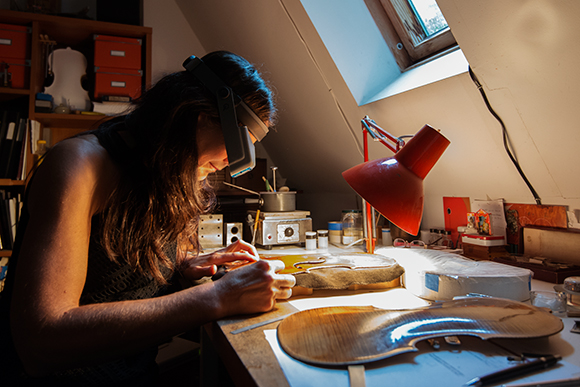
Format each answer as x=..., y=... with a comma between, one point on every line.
x=10, y=208
x=16, y=156
x=41, y=106
x=3, y=126
x=23, y=162
x=13, y=130
x=6, y=148
x=9, y=212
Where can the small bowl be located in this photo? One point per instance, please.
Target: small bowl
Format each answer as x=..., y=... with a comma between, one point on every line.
x=555, y=301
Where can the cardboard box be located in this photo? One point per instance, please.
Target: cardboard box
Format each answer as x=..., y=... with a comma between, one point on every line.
x=14, y=41
x=552, y=272
x=117, y=52
x=482, y=252
x=121, y=82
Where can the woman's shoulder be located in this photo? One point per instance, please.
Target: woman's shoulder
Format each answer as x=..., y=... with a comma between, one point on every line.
x=77, y=166
x=79, y=154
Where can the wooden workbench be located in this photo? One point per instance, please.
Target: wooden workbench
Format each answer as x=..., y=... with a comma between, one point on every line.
x=246, y=359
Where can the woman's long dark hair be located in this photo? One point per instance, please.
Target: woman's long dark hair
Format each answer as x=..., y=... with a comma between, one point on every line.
x=159, y=198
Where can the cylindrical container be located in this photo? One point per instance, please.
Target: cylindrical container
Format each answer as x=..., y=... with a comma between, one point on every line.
x=426, y=236
x=278, y=201
x=335, y=232
x=432, y=236
x=41, y=149
x=460, y=231
x=310, y=240
x=387, y=239
x=446, y=241
x=439, y=237
x=322, y=239
x=352, y=227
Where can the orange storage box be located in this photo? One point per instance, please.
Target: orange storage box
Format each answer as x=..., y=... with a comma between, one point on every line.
x=14, y=73
x=14, y=41
x=117, y=52
x=118, y=82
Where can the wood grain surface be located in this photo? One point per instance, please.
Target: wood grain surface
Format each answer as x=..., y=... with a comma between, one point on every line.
x=336, y=336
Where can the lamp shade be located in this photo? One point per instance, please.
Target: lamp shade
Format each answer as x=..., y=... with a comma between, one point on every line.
x=394, y=185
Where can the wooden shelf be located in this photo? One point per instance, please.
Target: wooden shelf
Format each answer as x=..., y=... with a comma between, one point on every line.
x=77, y=121
x=8, y=91
x=78, y=34
x=8, y=182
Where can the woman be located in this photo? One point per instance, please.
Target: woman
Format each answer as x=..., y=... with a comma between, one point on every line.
x=100, y=243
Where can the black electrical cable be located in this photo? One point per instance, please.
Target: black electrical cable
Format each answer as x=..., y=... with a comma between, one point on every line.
x=505, y=141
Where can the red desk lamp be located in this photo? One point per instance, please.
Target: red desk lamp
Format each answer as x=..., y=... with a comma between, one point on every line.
x=394, y=185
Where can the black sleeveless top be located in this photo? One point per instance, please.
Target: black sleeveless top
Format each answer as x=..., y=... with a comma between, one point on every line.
x=106, y=281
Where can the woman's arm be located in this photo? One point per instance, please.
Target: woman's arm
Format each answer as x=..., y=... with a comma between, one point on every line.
x=50, y=330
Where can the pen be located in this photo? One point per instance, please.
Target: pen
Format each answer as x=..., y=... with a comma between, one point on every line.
x=255, y=227
x=521, y=369
x=573, y=382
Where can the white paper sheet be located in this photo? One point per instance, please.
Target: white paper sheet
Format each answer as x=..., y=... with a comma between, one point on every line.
x=396, y=298
x=435, y=368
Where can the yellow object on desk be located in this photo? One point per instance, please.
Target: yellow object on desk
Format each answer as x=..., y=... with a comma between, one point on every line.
x=339, y=271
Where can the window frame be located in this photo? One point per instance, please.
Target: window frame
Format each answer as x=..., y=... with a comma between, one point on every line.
x=408, y=46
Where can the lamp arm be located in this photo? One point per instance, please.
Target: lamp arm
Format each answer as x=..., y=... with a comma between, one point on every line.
x=381, y=135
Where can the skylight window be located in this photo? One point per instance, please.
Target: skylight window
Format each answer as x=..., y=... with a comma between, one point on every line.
x=415, y=30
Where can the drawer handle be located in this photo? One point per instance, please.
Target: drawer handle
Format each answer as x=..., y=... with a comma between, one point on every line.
x=6, y=42
x=118, y=84
x=117, y=53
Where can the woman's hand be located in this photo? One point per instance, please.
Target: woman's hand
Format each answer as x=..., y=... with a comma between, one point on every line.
x=236, y=254
x=254, y=288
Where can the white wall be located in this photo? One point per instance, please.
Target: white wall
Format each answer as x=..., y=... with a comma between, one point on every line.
x=512, y=46
x=173, y=39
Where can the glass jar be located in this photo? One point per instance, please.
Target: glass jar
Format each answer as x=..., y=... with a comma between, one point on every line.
x=322, y=239
x=335, y=232
x=352, y=226
x=310, y=240
x=447, y=241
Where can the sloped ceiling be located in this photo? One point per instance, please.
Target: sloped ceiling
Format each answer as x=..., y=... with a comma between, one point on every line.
x=305, y=148
x=526, y=50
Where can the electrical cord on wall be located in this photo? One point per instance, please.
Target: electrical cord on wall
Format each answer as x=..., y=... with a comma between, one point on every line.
x=504, y=131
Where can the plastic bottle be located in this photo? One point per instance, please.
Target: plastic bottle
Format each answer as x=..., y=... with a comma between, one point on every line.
x=351, y=226
x=41, y=149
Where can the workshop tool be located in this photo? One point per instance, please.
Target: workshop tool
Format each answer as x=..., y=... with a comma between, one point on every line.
x=338, y=271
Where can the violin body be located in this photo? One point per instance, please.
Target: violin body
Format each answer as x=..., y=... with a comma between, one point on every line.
x=68, y=68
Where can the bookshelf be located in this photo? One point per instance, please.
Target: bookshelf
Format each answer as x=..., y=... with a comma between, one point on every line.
x=66, y=32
